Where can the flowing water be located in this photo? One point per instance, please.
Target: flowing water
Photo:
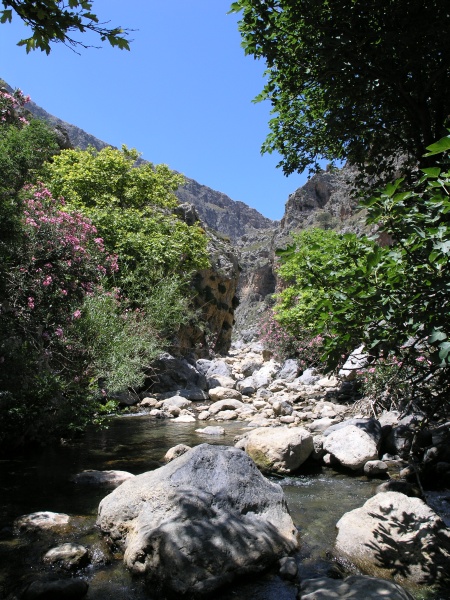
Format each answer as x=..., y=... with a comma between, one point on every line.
x=41, y=481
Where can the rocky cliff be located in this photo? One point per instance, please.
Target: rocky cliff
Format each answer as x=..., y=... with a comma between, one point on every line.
x=219, y=212
x=324, y=201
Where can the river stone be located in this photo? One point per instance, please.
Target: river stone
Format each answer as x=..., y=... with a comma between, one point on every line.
x=279, y=449
x=176, y=402
x=229, y=404
x=289, y=370
x=355, y=587
x=351, y=446
x=200, y=521
x=288, y=567
x=221, y=381
x=221, y=393
x=68, y=556
x=193, y=393
x=218, y=367
x=246, y=386
x=263, y=376
x=62, y=589
x=211, y=430
x=184, y=419
x=175, y=452
x=395, y=536
x=373, y=468
x=92, y=477
x=41, y=520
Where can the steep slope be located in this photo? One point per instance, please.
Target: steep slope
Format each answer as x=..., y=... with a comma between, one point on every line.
x=219, y=212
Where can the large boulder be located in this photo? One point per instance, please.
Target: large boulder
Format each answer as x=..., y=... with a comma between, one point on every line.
x=171, y=373
x=279, y=449
x=396, y=536
x=289, y=370
x=355, y=587
x=199, y=522
x=353, y=444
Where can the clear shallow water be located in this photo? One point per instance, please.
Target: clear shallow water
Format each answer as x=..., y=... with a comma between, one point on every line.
x=41, y=481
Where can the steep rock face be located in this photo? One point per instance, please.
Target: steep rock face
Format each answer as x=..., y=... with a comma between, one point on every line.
x=231, y=218
x=324, y=201
x=216, y=299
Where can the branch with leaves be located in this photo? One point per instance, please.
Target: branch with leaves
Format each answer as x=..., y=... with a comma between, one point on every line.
x=53, y=21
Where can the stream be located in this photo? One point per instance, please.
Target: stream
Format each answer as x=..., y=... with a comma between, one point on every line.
x=137, y=443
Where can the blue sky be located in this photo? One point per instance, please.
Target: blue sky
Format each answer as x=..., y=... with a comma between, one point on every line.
x=181, y=96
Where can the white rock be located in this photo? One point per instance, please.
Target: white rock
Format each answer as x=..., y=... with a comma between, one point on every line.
x=351, y=446
x=221, y=393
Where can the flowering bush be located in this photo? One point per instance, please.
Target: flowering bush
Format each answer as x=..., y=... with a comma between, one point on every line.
x=61, y=260
x=12, y=107
x=59, y=263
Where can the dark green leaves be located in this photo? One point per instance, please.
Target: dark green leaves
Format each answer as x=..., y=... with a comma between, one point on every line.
x=53, y=21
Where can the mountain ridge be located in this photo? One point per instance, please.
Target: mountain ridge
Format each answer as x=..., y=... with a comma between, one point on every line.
x=218, y=211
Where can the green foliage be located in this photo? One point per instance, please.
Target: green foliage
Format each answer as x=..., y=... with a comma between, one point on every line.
x=53, y=21
x=394, y=299
x=319, y=268
x=364, y=82
x=132, y=208
x=116, y=344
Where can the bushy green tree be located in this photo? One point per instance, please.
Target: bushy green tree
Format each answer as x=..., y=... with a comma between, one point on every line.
x=360, y=81
x=53, y=21
x=133, y=210
x=395, y=299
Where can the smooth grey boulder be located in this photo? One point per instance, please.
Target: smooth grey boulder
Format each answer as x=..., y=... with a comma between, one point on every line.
x=246, y=386
x=351, y=446
x=176, y=402
x=370, y=426
x=264, y=376
x=228, y=404
x=221, y=381
x=356, y=587
x=211, y=430
x=222, y=393
x=279, y=449
x=375, y=468
x=396, y=536
x=218, y=367
x=170, y=373
x=200, y=521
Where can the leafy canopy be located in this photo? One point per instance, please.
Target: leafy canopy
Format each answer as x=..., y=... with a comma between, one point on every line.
x=361, y=81
x=133, y=210
x=53, y=21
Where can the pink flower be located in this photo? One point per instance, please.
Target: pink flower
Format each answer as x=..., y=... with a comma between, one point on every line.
x=31, y=303
x=47, y=281
x=59, y=332
x=77, y=314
